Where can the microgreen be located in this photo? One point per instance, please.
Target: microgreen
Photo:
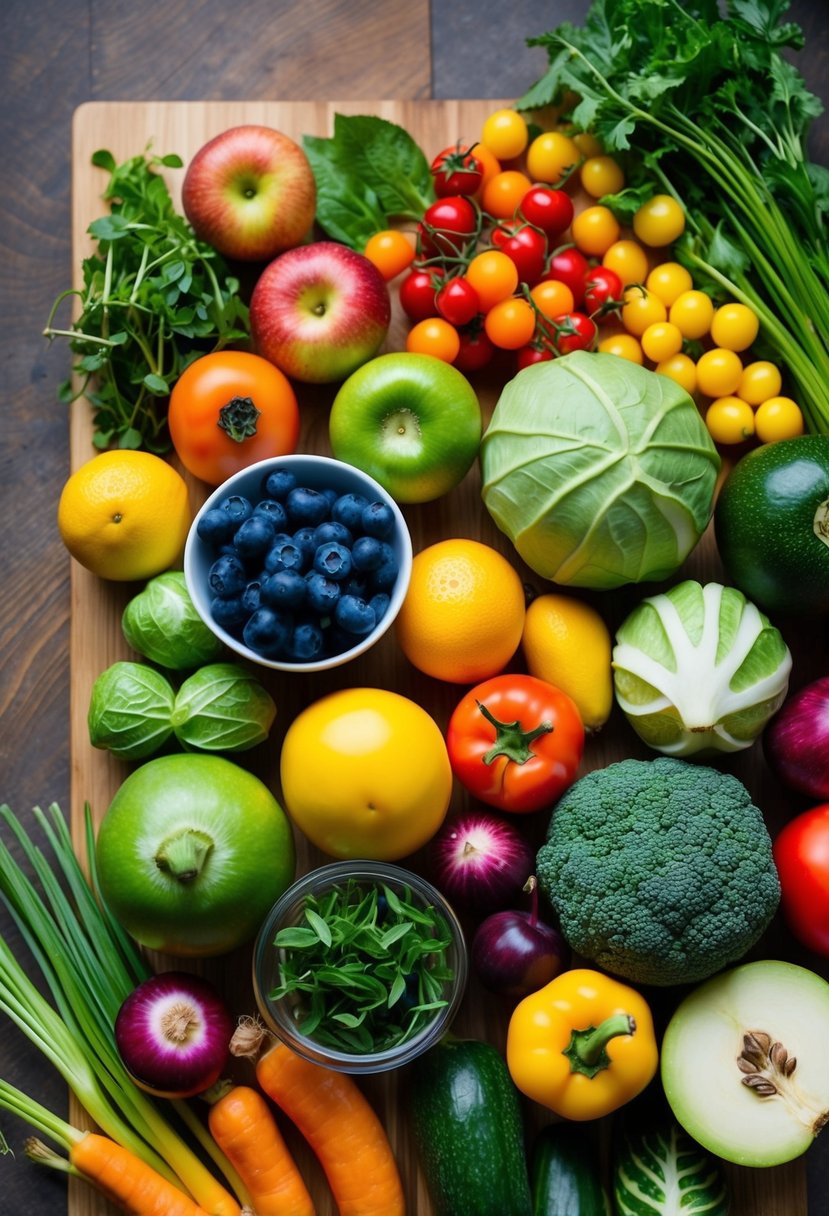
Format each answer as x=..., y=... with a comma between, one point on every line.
x=153, y=299
x=366, y=968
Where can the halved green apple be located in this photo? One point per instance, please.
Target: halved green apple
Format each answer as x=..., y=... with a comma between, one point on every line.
x=744, y=1062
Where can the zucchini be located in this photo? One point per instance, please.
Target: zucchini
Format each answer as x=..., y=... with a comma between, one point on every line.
x=565, y=1176
x=468, y=1131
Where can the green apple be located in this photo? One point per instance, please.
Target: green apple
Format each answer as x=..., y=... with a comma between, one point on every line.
x=744, y=1062
x=412, y=422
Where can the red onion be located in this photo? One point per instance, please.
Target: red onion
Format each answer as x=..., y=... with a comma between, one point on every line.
x=173, y=1034
x=515, y=953
x=796, y=741
x=480, y=861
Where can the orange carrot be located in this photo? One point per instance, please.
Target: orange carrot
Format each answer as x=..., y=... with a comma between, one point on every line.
x=243, y=1125
x=335, y=1118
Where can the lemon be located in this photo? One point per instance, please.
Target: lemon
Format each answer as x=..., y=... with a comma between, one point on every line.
x=566, y=643
x=124, y=515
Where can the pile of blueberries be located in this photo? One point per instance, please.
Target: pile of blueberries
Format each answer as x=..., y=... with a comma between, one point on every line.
x=301, y=574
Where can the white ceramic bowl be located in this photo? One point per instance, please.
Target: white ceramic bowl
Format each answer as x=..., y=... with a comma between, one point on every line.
x=316, y=473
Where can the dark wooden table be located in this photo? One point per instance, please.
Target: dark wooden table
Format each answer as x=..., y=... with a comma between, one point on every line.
x=56, y=54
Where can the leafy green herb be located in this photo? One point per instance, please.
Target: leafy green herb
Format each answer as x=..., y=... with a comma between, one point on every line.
x=712, y=113
x=153, y=299
x=370, y=172
x=367, y=968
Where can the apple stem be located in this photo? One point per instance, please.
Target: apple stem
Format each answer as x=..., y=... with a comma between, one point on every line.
x=183, y=854
x=238, y=418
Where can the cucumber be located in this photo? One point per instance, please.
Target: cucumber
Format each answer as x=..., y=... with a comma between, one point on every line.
x=565, y=1174
x=467, y=1128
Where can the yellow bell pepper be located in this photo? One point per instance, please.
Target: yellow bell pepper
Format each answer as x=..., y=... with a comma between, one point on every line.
x=583, y=1045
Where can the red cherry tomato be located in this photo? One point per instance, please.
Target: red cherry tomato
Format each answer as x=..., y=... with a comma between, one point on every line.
x=475, y=351
x=801, y=854
x=418, y=291
x=570, y=267
x=573, y=331
x=603, y=288
x=448, y=226
x=526, y=247
x=456, y=171
x=530, y=354
x=549, y=209
x=515, y=742
x=457, y=301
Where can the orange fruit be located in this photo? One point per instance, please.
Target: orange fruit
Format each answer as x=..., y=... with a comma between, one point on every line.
x=463, y=614
x=124, y=515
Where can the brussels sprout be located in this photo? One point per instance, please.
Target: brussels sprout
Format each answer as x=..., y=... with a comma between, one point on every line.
x=130, y=710
x=222, y=708
x=162, y=624
x=699, y=669
x=600, y=472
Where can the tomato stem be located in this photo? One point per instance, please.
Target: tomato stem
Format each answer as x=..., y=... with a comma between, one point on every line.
x=510, y=740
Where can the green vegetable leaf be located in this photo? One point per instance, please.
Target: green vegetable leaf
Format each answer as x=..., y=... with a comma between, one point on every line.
x=347, y=208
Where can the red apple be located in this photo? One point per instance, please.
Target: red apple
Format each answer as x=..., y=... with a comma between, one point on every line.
x=250, y=193
x=319, y=312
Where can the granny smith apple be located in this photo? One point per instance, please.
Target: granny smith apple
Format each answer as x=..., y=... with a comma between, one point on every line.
x=412, y=422
x=250, y=192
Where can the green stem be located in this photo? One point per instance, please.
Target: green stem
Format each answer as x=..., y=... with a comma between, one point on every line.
x=586, y=1050
x=511, y=740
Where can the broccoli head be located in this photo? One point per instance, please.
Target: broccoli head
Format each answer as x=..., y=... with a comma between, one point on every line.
x=660, y=871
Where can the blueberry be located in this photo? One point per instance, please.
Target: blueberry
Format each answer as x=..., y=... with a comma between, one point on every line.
x=267, y=631
x=215, y=526
x=278, y=484
x=238, y=508
x=348, y=509
x=228, y=612
x=227, y=576
x=284, y=589
x=385, y=576
x=251, y=597
x=306, y=507
x=254, y=537
x=331, y=495
x=357, y=585
x=354, y=615
x=304, y=538
x=380, y=603
x=378, y=520
x=322, y=593
x=274, y=511
x=333, y=560
x=284, y=554
x=306, y=642
x=331, y=530
x=367, y=553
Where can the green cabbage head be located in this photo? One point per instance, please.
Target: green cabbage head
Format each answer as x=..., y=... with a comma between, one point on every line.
x=599, y=471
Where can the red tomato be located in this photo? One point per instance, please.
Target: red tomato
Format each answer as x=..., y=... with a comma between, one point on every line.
x=530, y=354
x=456, y=171
x=570, y=267
x=418, y=291
x=526, y=247
x=549, y=209
x=801, y=854
x=603, y=290
x=457, y=301
x=515, y=742
x=475, y=351
x=573, y=331
x=229, y=409
x=447, y=227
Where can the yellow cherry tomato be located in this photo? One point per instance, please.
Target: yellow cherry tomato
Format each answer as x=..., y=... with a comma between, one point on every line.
x=511, y=323
x=729, y=420
x=587, y=143
x=503, y=193
x=640, y=310
x=552, y=298
x=734, y=326
x=668, y=280
x=659, y=221
x=691, y=312
x=391, y=251
x=719, y=372
x=436, y=337
x=594, y=230
x=681, y=369
x=494, y=277
x=628, y=259
x=489, y=163
x=505, y=134
x=365, y=773
x=550, y=156
x=623, y=345
x=601, y=175
x=661, y=340
x=778, y=418
x=759, y=381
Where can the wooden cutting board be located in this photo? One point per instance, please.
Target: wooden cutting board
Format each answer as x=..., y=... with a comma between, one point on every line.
x=96, y=640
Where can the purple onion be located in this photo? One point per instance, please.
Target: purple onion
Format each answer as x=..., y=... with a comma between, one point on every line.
x=481, y=862
x=514, y=953
x=796, y=741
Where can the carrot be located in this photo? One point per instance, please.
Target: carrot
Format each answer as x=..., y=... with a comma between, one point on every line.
x=335, y=1118
x=127, y=1180
x=242, y=1124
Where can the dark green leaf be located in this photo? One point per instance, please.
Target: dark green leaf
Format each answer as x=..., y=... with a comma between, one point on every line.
x=155, y=384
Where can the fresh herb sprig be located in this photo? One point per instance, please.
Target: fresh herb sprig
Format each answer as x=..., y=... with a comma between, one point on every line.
x=154, y=298
x=367, y=969
x=710, y=110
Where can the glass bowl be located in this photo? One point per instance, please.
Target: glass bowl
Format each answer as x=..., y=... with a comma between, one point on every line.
x=282, y=1015
x=316, y=473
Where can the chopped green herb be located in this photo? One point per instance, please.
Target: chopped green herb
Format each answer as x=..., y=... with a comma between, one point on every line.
x=367, y=969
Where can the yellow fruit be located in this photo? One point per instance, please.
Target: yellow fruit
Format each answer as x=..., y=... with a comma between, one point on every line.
x=463, y=614
x=566, y=643
x=124, y=515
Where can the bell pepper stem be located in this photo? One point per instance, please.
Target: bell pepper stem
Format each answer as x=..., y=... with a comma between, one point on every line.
x=586, y=1050
x=510, y=740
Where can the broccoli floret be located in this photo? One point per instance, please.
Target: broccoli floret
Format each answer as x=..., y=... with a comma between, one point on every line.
x=660, y=871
